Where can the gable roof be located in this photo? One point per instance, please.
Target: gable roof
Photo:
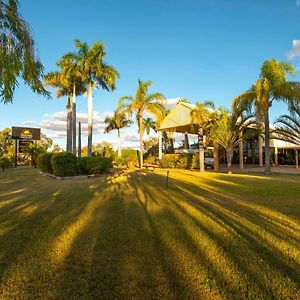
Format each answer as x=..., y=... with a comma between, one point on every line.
x=179, y=119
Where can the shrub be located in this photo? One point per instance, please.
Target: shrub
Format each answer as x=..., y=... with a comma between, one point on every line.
x=5, y=163
x=44, y=162
x=129, y=157
x=63, y=164
x=168, y=161
x=93, y=165
x=181, y=161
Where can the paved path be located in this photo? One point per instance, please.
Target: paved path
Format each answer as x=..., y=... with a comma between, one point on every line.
x=251, y=168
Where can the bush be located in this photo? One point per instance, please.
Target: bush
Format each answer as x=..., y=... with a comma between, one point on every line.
x=44, y=162
x=129, y=158
x=63, y=164
x=168, y=161
x=93, y=165
x=181, y=161
x=5, y=163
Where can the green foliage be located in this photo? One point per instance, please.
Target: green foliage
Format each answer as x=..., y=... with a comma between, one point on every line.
x=44, y=162
x=5, y=163
x=129, y=158
x=17, y=52
x=180, y=161
x=103, y=149
x=6, y=143
x=63, y=164
x=93, y=165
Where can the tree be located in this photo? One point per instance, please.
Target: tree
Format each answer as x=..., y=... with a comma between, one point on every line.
x=202, y=116
x=288, y=126
x=149, y=124
x=271, y=86
x=103, y=149
x=69, y=82
x=117, y=122
x=6, y=143
x=144, y=103
x=17, y=52
x=97, y=73
x=226, y=132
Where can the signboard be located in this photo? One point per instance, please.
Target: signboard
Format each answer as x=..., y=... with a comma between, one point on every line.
x=24, y=144
x=26, y=133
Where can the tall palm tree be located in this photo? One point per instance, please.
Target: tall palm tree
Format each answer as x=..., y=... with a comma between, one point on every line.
x=271, y=86
x=17, y=52
x=142, y=103
x=202, y=116
x=117, y=122
x=67, y=84
x=96, y=72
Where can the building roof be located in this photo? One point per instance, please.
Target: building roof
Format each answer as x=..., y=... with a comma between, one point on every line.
x=179, y=119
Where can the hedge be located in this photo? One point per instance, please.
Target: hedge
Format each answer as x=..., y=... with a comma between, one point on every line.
x=93, y=165
x=44, y=162
x=181, y=161
x=5, y=163
x=63, y=164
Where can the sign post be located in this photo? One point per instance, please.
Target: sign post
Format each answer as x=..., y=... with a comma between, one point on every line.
x=24, y=136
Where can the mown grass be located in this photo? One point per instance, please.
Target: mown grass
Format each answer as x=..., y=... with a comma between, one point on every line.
x=209, y=236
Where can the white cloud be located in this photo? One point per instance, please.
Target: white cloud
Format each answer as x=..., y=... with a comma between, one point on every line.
x=295, y=51
x=28, y=122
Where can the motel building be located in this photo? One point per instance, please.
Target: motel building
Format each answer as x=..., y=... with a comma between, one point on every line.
x=250, y=151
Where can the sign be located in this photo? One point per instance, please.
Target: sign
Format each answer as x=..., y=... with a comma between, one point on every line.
x=24, y=144
x=26, y=133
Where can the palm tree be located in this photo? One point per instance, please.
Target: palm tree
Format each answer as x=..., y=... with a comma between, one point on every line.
x=226, y=132
x=272, y=85
x=96, y=73
x=67, y=84
x=202, y=116
x=288, y=126
x=144, y=103
x=117, y=122
x=17, y=52
x=149, y=124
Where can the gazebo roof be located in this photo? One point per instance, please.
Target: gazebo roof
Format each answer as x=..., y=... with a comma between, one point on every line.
x=179, y=119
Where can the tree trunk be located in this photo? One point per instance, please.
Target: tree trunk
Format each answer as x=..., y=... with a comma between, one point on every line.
x=141, y=127
x=216, y=157
x=241, y=150
x=79, y=139
x=90, y=118
x=296, y=159
x=74, y=119
x=229, y=154
x=186, y=141
x=201, y=150
x=260, y=151
x=69, y=125
x=119, y=144
x=267, y=144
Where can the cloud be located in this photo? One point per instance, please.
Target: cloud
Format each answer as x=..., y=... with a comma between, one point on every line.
x=56, y=124
x=28, y=122
x=298, y=2
x=295, y=51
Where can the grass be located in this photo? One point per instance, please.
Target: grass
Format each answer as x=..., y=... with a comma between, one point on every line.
x=208, y=236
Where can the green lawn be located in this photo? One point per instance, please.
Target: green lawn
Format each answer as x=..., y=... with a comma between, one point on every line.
x=208, y=236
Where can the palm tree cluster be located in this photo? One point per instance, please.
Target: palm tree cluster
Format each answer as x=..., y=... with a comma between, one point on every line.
x=79, y=72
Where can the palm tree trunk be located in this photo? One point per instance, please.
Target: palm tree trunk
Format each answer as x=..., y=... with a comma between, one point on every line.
x=69, y=125
x=159, y=145
x=90, y=118
x=241, y=150
x=216, y=157
x=260, y=151
x=141, y=141
x=74, y=119
x=229, y=154
x=79, y=139
x=119, y=144
x=296, y=159
x=267, y=144
x=201, y=150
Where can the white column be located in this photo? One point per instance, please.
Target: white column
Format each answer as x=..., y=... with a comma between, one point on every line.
x=276, y=156
x=260, y=151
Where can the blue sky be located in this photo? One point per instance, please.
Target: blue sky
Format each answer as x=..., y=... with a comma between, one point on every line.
x=189, y=48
